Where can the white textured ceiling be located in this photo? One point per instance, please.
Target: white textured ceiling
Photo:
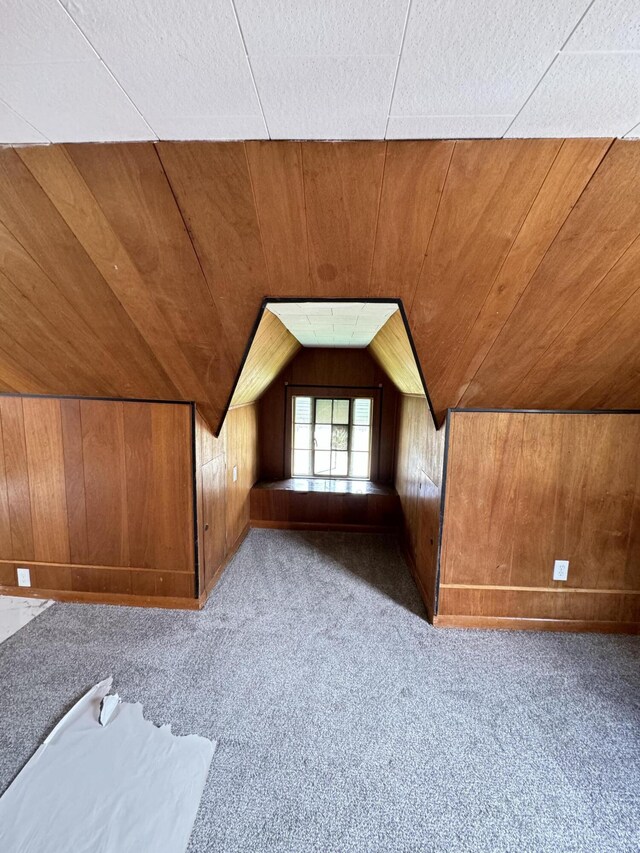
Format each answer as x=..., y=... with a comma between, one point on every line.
x=333, y=324
x=104, y=70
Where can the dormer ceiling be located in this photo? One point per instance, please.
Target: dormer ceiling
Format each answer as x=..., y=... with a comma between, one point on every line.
x=123, y=70
x=333, y=324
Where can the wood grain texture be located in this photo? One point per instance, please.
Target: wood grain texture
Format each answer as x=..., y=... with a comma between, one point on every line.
x=342, y=195
x=134, y=270
x=223, y=505
x=90, y=487
x=419, y=478
x=392, y=350
x=526, y=489
x=272, y=348
x=287, y=509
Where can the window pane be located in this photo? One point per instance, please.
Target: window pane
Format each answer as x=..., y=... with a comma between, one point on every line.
x=323, y=437
x=360, y=438
x=359, y=465
x=362, y=411
x=302, y=410
x=339, y=437
x=302, y=437
x=340, y=463
x=341, y=411
x=322, y=463
x=301, y=463
x=323, y=411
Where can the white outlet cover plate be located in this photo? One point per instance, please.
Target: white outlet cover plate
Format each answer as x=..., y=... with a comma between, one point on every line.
x=24, y=577
x=561, y=570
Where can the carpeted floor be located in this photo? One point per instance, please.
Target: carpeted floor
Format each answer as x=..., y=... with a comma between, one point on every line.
x=345, y=722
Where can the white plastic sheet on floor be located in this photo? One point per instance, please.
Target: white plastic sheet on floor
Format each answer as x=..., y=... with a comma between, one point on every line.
x=120, y=787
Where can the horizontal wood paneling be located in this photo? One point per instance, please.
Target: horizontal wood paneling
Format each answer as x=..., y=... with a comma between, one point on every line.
x=96, y=496
x=526, y=489
x=273, y=346
x=138, y=270
x=419, y=481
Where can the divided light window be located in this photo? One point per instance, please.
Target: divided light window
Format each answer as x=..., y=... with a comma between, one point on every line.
x=331, y=438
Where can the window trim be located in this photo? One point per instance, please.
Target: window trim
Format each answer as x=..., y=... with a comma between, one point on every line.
x=341, y=392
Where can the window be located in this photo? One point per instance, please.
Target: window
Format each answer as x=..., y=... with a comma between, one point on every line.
x=331, y=437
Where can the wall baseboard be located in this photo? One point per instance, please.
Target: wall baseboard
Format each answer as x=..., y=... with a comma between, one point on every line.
x=123, y=599
x=322, y=525
x=527, y=624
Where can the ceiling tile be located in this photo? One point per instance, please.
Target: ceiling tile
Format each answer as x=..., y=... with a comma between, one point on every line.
x=334, y=27
x=482, y=58
x=327, y=97
x=173, y=59
x=346, y=324
x=608, y=25
x=218, y=127
x=447, y=127
x=15, y=130
x=72, y=102
x=584, y=94
x=39, y=31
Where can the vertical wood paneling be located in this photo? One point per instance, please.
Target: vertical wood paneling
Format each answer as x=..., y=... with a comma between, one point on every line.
x=524, y=490
x=172, y=485
x=419, y=467
x=17, y=482
x=105, y=482
x=47, y=490
x=342, y=195
x=74, y=480
x=6, y=548
x=139, y=468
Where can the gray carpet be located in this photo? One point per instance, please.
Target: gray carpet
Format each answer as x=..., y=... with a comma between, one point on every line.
x=345, y=722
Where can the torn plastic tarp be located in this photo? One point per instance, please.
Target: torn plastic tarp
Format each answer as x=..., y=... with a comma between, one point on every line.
x=119, y=786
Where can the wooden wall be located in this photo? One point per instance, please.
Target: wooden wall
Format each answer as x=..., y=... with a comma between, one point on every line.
x=139, y=269
x=335, y=369
x=523, y=490
x=418, y=481
x=96, y=498
x=223, y=504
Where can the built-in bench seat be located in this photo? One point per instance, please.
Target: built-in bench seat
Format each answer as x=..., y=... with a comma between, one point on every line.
x=324, y=504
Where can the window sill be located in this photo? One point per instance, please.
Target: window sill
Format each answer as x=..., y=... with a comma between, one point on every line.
x=318, y=484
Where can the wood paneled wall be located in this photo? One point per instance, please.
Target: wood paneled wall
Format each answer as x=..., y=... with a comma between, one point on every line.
x=419, y=479
x=139, y=269
x=525, y=489
x=223, y=504
x=332, y=370
x=96, y=498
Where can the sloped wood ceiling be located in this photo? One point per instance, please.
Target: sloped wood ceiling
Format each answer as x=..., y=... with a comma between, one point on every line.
x=272, y=348
x=138, y=270
x=392, y=350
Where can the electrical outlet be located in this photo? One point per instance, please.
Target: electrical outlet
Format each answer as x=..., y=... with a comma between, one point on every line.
x=24, y=577
x=235, y=473
x=561, y=570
